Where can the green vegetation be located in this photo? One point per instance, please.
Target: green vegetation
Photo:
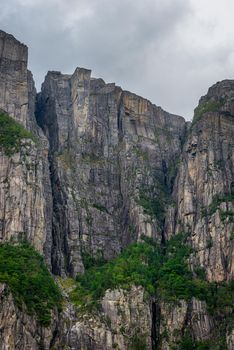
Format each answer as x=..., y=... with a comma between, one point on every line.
x=138, y=342
x=92, y=261
x=136, y=265
x=219, y=299
x=68, y=159
x=154, y=201
x=24, y=271
x=161, y=270
x=207, y=106
x=164, y=273
x=217, y=200
x=187, y=343
x=92, y=158
x=140, y=153
x=100, y=207
x=11, y=134
x=153, y=207
x=227, y=215
x=200, y=273
x=173, y=169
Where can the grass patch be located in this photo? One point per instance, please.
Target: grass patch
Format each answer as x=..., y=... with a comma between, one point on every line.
x=30, y=282
x=11, y=134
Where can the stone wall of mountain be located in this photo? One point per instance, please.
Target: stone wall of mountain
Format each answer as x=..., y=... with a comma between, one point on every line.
x=105, y=168
x=25, y=190
x=204, y=188
x=108, y=149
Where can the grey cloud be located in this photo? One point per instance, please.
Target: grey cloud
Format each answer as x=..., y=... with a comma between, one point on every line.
x=138, y=44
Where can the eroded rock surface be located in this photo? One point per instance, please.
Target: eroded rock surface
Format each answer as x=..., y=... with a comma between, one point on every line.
x=108, y=149
x=125, y=321
x=204, y=186
x=25, y=191
x=18, y=330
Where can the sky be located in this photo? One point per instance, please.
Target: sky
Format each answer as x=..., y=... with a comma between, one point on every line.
x=169, y=51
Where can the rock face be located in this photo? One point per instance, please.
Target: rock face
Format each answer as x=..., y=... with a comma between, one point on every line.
x=126, y=321
x=108, y=149
x=14, y=77
x=204, y=186
x=109, y=167
x=175, y=320
x=25, y=191
x=18, y=329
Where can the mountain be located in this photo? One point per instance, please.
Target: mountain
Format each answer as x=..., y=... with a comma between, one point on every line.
x=116, y=217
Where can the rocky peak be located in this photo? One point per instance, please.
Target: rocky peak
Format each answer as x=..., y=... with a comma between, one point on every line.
x=204, y=184
x=13, y=50
x=24, y=182
x=219, y=98
x=13, y=77
x=221, y=89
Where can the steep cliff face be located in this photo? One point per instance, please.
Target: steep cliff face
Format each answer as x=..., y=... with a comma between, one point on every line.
x=126, y=322
x=110, y=152
x=111, y=169
x=204, y=190
x=18, y=329
x=25, y=192
x=14, y=77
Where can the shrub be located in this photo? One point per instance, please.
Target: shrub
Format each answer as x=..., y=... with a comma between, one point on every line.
x=30, y=282
x=90, y=261
x=11, y=134
x=156, y=268
x=187, y=343
x=215, y=204
x=154, y=202
x=137, y=342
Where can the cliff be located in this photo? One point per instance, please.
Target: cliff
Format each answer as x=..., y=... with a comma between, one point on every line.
x=135, y=201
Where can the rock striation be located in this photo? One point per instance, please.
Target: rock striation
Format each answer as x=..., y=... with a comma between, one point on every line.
x=204, y=186
x=25, y=190
x=109, y=149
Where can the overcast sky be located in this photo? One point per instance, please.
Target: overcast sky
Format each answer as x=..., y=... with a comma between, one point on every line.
x=169, y=51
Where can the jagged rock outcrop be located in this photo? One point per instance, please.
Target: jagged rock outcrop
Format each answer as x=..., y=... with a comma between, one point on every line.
x=18, y=329
x=14, y=77
x=176, y=319
x=125, y=321
x=204, y=186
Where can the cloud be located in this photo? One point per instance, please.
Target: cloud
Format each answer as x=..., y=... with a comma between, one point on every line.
x=169, y=51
